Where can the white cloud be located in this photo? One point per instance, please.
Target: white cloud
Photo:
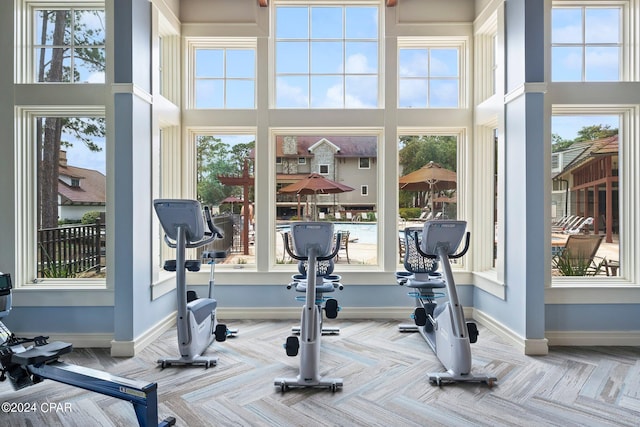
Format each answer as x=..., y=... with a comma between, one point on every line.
x=290, y=96
x=358, y=64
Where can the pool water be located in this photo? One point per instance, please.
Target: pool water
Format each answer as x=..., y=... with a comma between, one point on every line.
x=360, y=232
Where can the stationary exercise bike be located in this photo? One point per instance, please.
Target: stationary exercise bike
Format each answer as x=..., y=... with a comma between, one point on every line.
x=312, y=242
x=197, y=325
x=443, y=326
x=28, y=361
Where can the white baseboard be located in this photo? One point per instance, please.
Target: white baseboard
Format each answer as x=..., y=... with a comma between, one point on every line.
x=131, y=348
x=594, y=338
x=530, y=347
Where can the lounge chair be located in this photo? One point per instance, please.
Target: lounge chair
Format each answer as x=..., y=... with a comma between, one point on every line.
x=338, y=216
x=572, y=222
x=344, y=245
x=578, y=257
x=577, y=229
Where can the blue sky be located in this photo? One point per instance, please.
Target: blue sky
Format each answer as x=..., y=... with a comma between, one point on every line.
x=568, y=126
x=586, y=40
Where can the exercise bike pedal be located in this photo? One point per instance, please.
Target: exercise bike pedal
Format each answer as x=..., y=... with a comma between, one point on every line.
x=331, y=308
x=472, y=329
x=420, y=316
x=292, y=345
x=221, y=332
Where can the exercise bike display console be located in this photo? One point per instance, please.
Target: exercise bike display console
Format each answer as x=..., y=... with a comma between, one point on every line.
x=312, y=247
x=28, y=361
x=443, y=326
x=184, y=226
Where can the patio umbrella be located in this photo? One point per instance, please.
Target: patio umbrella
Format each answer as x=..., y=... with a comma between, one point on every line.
x=231, y=200
x=444, y=200
x=315, y=184
x=431, y=177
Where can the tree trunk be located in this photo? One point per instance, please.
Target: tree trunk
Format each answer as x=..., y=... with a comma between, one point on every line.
x=49, y=173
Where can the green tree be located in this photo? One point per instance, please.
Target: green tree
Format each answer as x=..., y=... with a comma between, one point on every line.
x=594, y=132
x=215, y=158
x=417, y=151
x=587, y=133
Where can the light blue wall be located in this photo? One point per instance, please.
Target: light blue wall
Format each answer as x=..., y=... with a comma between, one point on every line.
x=522, y=311
x=135, y=312
x=361, y=296
x=593, y=317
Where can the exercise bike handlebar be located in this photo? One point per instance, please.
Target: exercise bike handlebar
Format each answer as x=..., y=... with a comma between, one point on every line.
x=452, y=256
x=306, y=258
x=214, y=230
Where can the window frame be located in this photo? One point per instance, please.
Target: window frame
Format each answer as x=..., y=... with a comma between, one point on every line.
x=192, y=44
x=24, y=68
x=380, y=54
x=266, y=243
x=461, y=43
x=463, y=179
x=628, y=186
x=629, y=31
x=26, y=200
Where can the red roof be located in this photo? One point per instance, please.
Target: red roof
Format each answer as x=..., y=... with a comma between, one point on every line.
x=92, y=188
x=349, y=146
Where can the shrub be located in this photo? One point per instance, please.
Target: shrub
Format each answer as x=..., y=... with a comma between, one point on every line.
x=409, y=213
x=90, y=217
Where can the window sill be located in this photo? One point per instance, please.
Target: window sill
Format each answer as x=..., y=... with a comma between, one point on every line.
x=63, y=294
x=610, y=290
x=488, y=281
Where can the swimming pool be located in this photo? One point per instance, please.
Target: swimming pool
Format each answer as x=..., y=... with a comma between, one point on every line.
x=362, y=232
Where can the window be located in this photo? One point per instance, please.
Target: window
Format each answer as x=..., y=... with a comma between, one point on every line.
x=586, y=199
x=63, y=236
x=302, y=161
x=68, y=45
x=586, y=43
x=365, y=163
x=430, y=72
x=487, y=59
x=428, y=182
x=223, y=73
x=340, y=194
x=168, y=61
x=225, y=183
x=326, y=58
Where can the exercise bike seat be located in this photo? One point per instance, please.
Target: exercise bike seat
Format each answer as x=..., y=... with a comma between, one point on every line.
x=320, y=288
x=41, y=353
x=422, y=284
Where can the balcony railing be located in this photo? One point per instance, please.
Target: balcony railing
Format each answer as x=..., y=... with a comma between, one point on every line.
x=70, y=250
